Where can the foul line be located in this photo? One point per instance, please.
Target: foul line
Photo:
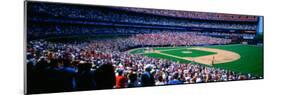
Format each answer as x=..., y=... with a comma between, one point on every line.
x=171, y=56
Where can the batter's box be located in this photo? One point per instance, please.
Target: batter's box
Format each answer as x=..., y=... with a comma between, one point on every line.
x=188, y=52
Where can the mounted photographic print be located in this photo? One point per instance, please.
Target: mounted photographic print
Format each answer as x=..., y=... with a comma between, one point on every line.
x=77, y=47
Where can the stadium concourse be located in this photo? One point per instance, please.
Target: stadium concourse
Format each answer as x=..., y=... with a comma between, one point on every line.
x=74, y=47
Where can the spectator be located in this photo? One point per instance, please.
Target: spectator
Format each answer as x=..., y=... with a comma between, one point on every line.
x=133, y=80
x=85, y=78
x=174, y=79
x=68, y=75
x=160, y=81
x=147, y=78
x=105, y=77
x=121, y=81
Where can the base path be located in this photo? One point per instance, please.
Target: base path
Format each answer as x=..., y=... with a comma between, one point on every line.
x=222, y=56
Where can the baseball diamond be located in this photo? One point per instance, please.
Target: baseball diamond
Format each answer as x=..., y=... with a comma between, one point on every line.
x=237, y=57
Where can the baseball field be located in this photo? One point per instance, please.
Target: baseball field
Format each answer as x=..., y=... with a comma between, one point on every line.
x=246, y=59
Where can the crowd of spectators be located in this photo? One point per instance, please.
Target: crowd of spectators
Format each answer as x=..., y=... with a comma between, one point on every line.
x=112, y=14
x=99, y=64
x=42, y=31
x=177, y=38
x=194, y=15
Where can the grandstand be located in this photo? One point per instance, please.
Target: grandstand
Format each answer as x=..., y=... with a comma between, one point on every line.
x=102, y=19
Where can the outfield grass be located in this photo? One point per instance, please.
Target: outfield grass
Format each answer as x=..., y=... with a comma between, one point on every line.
x=251, y=60
x=251, y=57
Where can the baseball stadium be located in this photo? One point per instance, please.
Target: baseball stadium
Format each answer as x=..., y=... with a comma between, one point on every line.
x=75, y=47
